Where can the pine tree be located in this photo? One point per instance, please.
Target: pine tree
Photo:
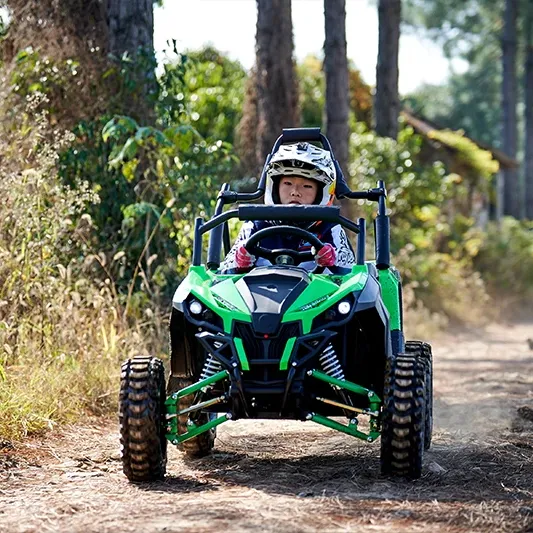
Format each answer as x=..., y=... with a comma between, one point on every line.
x=387, y=102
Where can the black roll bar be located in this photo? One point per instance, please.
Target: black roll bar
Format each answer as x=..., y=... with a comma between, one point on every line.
x=197, y=245
x=292, y=135
x=382, y=233
x=218, y=234
x=361, y=242
x=300, y=213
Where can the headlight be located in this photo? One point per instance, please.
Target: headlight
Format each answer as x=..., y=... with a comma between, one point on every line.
x=339, y=312
x=195, y=307
x=344, y=308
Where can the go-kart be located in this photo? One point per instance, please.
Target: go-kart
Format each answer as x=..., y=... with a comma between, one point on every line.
x=282, y=342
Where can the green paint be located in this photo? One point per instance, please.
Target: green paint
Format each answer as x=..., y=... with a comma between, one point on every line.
x=284, y=362
x=348, y=385
x=200, y=384
x=350, y=429
x=171, y=410
x=241, y=353
x=223, y=298
x=322, y=286
x=194, y=431
x=227, y=291
x=390, y=292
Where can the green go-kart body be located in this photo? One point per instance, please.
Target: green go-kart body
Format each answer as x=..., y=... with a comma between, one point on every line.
x=280, y=342
x=278, y=338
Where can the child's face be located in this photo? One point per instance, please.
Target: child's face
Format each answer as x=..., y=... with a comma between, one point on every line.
x=296, y=190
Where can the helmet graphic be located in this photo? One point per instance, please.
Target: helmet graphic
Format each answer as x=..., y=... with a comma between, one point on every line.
x=304, y=160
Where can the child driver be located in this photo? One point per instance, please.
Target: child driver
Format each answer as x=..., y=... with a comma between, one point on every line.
x=297, y=174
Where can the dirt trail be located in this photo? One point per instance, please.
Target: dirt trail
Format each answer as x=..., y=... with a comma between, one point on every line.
x=300, y=477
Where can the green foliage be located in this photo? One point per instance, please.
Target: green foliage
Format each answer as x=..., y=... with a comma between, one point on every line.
x=434, y=102
x=133, y=87
x=469, y=153
x=35, y=74
x=416, y=192
x=86, y=158
x=79, y=89
x=504, y=257
x=312, y=93
x=470, y=30
x=152, y=181
x=461, y=26
x=427, y=231
x=469, y=101
x=62, y=330
x=445, y=284
x=361, y=98
x=177, y=175
x=203, y=89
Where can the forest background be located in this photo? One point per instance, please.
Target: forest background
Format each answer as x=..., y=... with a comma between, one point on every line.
x=105, y=162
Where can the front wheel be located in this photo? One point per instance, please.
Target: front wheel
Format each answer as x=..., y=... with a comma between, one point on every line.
x=403, y=417
x=142, y=418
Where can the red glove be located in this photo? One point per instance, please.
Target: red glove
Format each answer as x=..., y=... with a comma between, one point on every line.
x=326, y=256
x=243, y=258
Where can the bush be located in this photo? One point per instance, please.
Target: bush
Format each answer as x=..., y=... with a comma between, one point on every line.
x=427, y=231
x=203, y=89
x=153, y=181
x=63, y=333
x=177, y=176
x=504, y=257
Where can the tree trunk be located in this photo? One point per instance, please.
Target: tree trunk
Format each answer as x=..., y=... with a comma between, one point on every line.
x=511, y=200
x=528, y=113
x=277, y=90
x=56, y=28
x=131, y=26
x=131, y=30
x=387, y=102
x=246, y=132
x=337, y=86
x=59, y=30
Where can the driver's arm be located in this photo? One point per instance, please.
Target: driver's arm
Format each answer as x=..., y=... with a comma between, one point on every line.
x=247, y=230
x=345, y=256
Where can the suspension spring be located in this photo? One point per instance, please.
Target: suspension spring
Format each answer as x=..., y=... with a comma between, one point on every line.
x=330, y=363
x=211, y=367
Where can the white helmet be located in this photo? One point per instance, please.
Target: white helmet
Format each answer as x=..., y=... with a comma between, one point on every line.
x=304, y=160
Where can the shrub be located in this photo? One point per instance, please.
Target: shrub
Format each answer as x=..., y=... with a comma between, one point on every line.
x=62, y=332
x=504, y=257
x=427, y=231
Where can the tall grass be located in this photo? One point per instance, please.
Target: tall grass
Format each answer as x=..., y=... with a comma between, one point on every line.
x=63, y=331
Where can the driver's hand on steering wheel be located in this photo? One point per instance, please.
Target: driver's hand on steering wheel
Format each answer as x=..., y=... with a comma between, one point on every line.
x=326, y=256
x=243, y=258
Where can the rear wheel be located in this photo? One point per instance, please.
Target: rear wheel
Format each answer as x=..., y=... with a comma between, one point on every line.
x=403, y=422
x=422, y=350
x=142, y=419
x=198, y=446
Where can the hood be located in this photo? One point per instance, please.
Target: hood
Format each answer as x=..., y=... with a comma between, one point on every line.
x=269, y=292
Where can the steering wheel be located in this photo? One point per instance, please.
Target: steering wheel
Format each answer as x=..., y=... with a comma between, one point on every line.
x=284, y=256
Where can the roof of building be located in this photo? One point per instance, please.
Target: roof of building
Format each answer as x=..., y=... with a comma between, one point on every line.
x=423, y=126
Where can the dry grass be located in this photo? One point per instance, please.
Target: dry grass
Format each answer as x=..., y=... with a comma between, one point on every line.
x=63, y=331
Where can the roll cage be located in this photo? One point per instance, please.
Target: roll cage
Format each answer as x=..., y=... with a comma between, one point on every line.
x=218, y=224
